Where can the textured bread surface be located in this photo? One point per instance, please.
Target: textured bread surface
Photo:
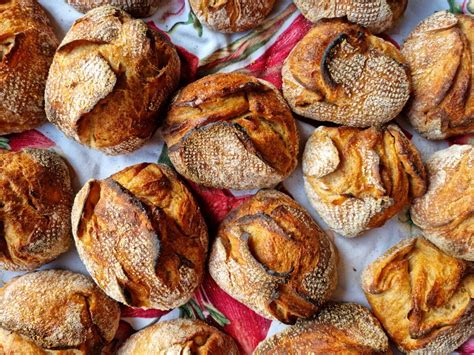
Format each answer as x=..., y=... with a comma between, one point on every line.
x=270, y=255
x=357, y=179
x=137, y=8
x=27, y=45
x=35, y=207
x=232, y=131
x=180, y=336
x=439, y=53
x=422, y=297
x=109, y=80
x=141, y=236
x=54, y=310
x=341, y=73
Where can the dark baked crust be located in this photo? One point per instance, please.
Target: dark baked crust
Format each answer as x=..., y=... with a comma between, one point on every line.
x=136, y=8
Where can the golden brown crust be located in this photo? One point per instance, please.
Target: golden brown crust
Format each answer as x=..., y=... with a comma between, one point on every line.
x=27, y=45
x=446, y=212
x=440, y=53
x=232, y=15
x=141, y=236
x=270, y=255
x=357, y=179
x=57, y=309
x=35, y=206
x=339, y=72
x=109, y=79
x=180, y=336
x=422, y=297
x=232, y=131
x=136, y=8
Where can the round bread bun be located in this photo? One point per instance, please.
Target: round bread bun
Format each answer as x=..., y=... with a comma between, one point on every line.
x=232, y=16
x=376, y=15
x=339, y=328
x=357, y=179
x=341, y=73
x=422, y=296
x=446, y=212
x=35, y=207
x=27, y=45
x=440, y=54
x=110, y=77
x=141, y=236
x=46, y=311
x=137, y=8
x=271, y=256
x=232, y=131
x=180, y=336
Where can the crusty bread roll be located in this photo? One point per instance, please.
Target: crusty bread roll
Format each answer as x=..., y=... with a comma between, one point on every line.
x=339, y=328
x=141, y=236
x=180, y=336
x=110, y=77
x=232, y=131
x=232, y=16
x=270, y=255
x=52, y=310
x=35, y=207
x=357, y=179
x=422, y=297
x=27, y=45
x=440, y=55
x=137, y=8
x=339, y=72
x=446, y=212
x=376, y=15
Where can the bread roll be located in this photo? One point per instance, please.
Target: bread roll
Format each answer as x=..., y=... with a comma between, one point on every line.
x=141, y=236
x=27, y=45
x=339, y=72
x=232, y=131
x=376, y=15
x=109, y=79
x=179, y=336
x=446, y=212
x=357, y=179
x=35, y=207
x=345, y=328
x=422, y=297
x=47, y=311
x=440, y=54
x=271, y=256
x=137, y=8
x=232, y=16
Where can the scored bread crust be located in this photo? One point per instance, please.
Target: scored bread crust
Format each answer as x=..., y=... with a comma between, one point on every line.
x=27, y=45
x=271, y=256
x=136, y=8
x=35, y=206
x=141, y=236
x=110, y=78
x=341, y=73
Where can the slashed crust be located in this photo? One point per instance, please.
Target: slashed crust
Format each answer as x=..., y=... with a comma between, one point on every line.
x=137, y=8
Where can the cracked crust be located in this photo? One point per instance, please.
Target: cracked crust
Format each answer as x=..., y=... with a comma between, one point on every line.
x=136, y=8
x=270, y=255
x=109, y=80
x=141, y=236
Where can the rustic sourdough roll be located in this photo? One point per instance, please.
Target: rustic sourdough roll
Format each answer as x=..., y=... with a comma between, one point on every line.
x=27, y=45
x=232, y=16
x=339, y=72
x=232, y=131
x=141, y=236
x=344, y=328
x=35, y=207
x=54, y=310
x=137, y=8
x=446, y=212
x=270, y=255
x=422, y=297
x=376, y=15
x=440, y=54
x=357, y=179
x=180, y=336
x=109, y=79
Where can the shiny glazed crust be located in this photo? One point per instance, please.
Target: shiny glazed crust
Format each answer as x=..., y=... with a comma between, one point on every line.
x=137, y=8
